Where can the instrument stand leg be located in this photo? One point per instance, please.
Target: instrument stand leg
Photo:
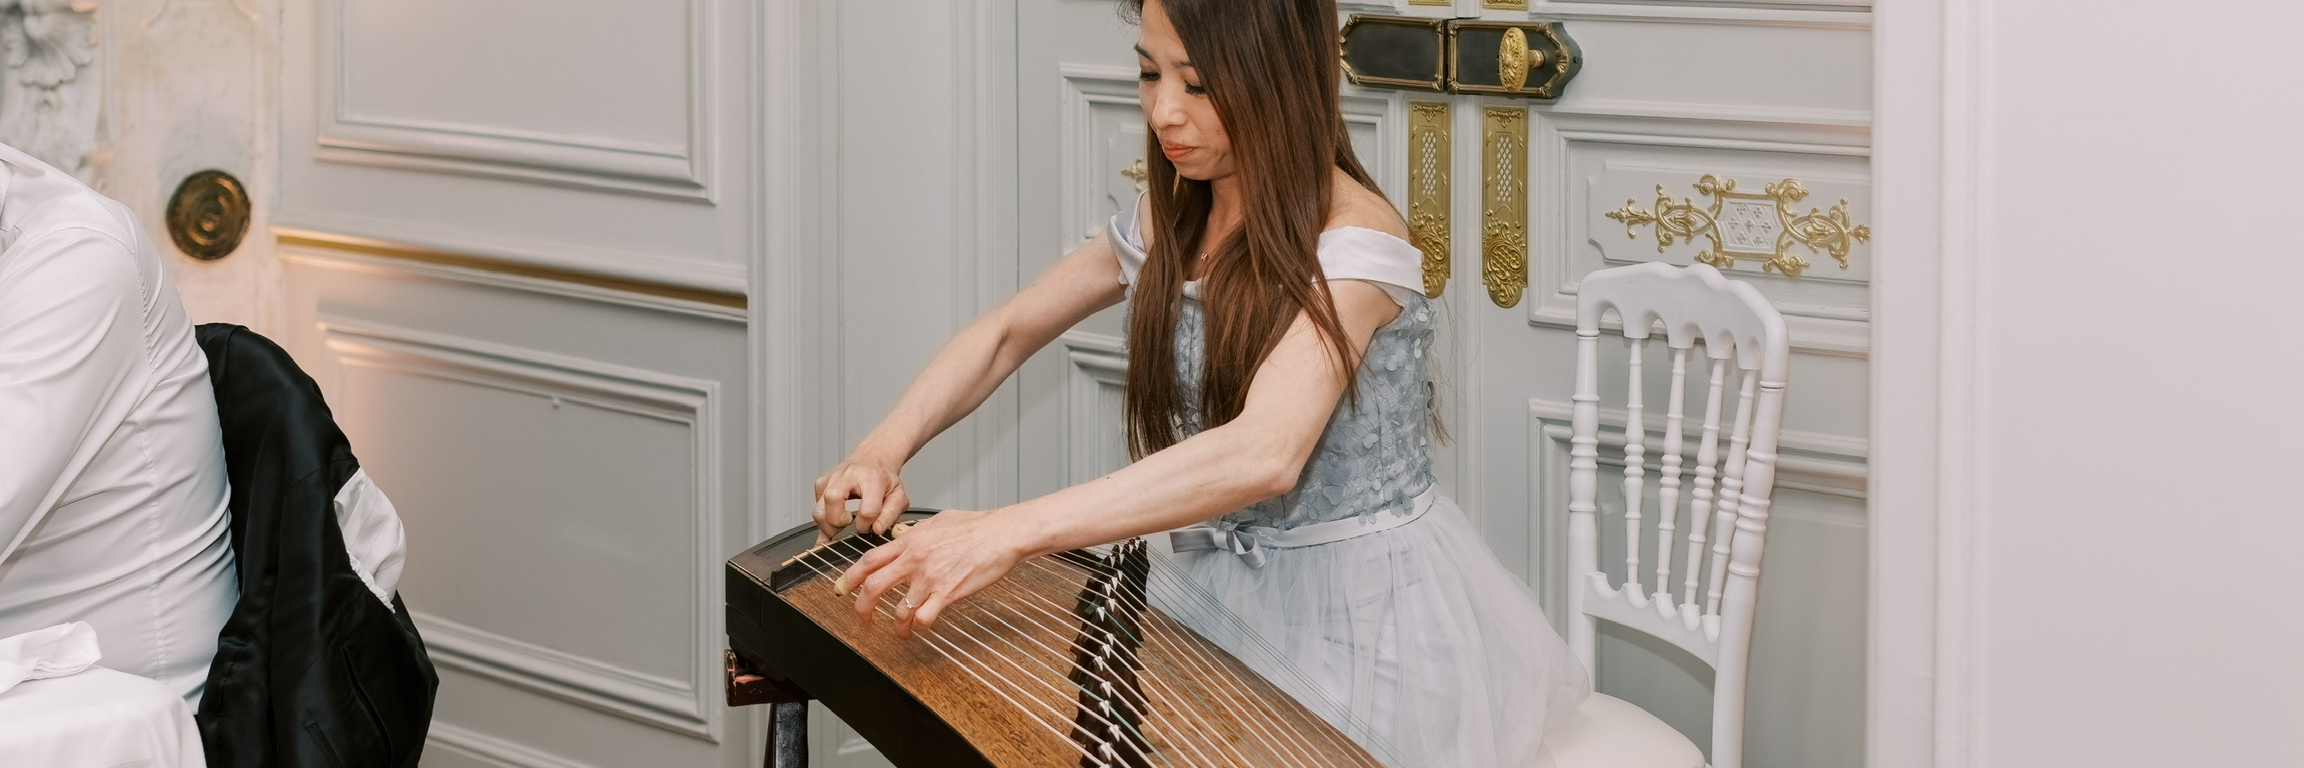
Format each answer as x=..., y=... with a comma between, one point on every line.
x=788, y=736
x=749, y=683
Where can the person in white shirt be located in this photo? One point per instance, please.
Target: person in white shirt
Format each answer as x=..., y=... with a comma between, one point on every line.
x=112, y=483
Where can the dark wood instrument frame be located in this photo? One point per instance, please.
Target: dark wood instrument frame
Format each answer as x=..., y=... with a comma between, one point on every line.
x=762, y=626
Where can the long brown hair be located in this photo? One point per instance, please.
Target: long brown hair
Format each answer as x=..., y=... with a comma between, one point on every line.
x=1270, y=69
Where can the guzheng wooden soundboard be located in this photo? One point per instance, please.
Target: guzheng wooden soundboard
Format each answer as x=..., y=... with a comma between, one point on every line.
x=1066, y=662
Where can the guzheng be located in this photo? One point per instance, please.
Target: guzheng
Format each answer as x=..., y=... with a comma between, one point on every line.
x=1068, y=661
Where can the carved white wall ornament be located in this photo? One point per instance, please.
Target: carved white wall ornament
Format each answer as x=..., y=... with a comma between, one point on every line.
x=48, y=98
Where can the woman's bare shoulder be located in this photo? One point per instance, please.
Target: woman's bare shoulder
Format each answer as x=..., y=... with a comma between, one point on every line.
x=1353, y=205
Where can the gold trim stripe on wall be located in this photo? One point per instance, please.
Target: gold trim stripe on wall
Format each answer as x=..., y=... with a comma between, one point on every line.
x=1504, y=203
x=304, y=238
x=1429, y=156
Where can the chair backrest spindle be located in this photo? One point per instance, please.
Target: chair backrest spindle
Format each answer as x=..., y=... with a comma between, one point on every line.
x=1635, y=468
x=1728, y=503
x=1707, y=476
x=1731, y=491
x=1668, y=484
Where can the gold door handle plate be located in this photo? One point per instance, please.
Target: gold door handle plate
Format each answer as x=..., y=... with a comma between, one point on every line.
x=1527, y=59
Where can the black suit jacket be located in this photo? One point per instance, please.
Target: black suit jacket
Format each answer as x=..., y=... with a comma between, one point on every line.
x=311, y=669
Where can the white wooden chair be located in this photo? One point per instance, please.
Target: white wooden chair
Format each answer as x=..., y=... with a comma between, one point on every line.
x=1710, y=617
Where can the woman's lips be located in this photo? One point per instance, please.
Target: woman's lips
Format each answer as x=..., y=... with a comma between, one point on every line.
x=1175, y=151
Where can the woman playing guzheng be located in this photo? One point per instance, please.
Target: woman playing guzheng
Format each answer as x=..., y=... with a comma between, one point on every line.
x=1278, y=402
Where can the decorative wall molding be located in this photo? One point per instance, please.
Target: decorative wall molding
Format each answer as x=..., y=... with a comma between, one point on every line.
x=1103, y=129
x=1822, y=14
x=349, y=136
x=794, y=365
x=1789, y=118
x=688, y=706
x=492, y=749
x=984, y=216
x=1095, y=375
x=51, y=95
x=1377, y=120
x=1926, y=673
x=657, y=701
x=1828, y=312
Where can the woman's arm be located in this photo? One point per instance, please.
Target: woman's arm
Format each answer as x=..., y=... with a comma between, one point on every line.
x=1256, y=456
x=959, y=378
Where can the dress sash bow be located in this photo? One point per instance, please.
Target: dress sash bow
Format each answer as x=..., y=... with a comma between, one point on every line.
x=1249, y=541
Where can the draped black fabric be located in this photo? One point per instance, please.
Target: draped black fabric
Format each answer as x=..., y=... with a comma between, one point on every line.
x=311, y=669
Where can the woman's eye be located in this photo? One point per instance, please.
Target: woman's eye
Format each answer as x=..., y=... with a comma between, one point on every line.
x=1147, y=77
x=1194, y=90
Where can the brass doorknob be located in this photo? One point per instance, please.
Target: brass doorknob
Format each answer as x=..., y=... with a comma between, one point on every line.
x=1514, y=59
x=208, y=215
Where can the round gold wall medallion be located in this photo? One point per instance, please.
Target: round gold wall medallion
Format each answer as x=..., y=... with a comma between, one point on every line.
x=208, y=215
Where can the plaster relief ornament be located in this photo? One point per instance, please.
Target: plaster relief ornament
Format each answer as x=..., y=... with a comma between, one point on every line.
x=48, y=97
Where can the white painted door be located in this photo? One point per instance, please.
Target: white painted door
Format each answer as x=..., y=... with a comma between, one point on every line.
x=1669, y=93
x=515, y=242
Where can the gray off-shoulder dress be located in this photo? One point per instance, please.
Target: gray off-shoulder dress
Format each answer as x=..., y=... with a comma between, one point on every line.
x=1364, y=591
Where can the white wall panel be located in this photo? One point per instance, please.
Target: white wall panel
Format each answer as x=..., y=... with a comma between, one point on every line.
x=631, y=67
x=1095, y=406
x=1595, y=166
x=1782, y=66
x=572, y=448
x=600, y=137
x=624, y=108
x=571, y=471
x=2020, y=361
x=1104, y=140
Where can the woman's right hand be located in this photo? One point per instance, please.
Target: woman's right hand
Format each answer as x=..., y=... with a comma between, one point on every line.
x=877, y=486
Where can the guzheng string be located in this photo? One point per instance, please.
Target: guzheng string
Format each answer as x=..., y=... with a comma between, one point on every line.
x=1028, y=600
x=1188, y=725
x=1180, y=596
x=1175, y=594
x=1191, y=655
x=930, y=639
x=960, y=612
x=1065, y=625
x=1287, y=743
x=1277, y=734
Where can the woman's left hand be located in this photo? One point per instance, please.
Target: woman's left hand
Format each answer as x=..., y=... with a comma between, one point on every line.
x=944, y=558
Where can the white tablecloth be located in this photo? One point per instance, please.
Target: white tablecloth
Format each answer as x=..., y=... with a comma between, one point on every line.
x=98, y=718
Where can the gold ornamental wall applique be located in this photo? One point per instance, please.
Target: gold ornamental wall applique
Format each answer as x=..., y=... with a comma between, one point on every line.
x=1504, y=204
x=1428, y=190
x=1761, y=226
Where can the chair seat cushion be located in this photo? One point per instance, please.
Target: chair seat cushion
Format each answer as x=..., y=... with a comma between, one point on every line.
x=1608, y=732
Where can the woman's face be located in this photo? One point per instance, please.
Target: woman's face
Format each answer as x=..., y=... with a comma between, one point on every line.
x=1175, y=105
